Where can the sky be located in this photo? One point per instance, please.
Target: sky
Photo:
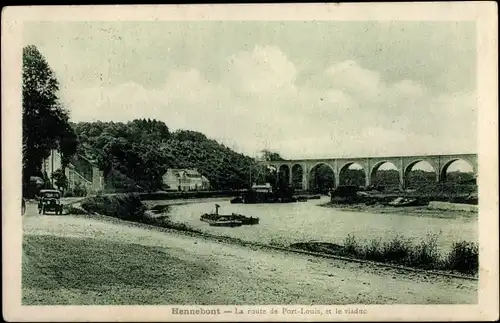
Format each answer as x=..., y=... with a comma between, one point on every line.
x=303, y=89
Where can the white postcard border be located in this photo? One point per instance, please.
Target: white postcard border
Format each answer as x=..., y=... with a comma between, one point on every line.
x=484, y=13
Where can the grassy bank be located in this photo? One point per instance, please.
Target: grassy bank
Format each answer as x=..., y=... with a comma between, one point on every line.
x=424, y=254
x=81, y=271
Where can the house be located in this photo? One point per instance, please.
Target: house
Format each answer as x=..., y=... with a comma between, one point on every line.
x=80, y=171
x=185, y=180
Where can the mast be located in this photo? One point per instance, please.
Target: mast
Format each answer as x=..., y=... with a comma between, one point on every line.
x=251, y=166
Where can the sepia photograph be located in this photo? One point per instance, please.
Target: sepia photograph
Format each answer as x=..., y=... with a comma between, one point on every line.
x=222, y=166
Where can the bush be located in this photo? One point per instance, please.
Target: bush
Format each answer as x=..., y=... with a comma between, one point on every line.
x=397, y=249
x=426, y=253
x=126, y=206
x=78, y=191
x=463, y=257
x=373, y=251
x=351, y=246
x=118, y=182
x=129, y=207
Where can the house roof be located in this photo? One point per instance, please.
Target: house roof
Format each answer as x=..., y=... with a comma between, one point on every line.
x=193, y=173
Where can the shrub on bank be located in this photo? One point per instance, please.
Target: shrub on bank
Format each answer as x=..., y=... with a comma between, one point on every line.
x=351, y=245
x=373, y=251
x=425, y=254
x=397, y=250
x=463, y=257
x=129, y=207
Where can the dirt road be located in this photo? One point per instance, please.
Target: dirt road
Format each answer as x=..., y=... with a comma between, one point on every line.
x=242, y=275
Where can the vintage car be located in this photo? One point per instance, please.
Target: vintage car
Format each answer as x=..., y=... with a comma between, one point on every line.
x=50, y=201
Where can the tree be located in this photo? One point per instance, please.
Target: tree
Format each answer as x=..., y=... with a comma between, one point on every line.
x=45, y=122
x=60, y=179
x=268, y=155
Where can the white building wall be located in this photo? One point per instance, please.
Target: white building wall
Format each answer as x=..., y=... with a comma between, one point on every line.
x=170, y=179
x=52, y=163
x=179, y=180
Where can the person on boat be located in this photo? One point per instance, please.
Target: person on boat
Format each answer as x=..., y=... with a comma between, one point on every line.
x=217, y=206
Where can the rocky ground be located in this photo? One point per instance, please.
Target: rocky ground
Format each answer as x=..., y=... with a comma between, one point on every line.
x=69, y=259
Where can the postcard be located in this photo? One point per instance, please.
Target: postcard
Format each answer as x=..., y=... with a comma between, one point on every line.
x=250, y=162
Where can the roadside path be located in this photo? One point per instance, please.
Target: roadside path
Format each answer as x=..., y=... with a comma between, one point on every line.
x=243, y=275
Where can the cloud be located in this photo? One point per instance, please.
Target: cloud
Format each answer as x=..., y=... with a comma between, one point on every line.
x=265, y=70
x=256, y=103
x=351, y=78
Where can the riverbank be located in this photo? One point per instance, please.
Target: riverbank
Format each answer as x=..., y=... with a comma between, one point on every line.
x=425, y=210
x=100, y=260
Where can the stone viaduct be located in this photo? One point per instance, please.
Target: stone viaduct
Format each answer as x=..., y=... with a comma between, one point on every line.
x=370, y=165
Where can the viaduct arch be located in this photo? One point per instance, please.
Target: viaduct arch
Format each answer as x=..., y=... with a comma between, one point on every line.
x=370, y=165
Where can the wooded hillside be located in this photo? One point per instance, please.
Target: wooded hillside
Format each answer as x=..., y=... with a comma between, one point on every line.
x=139, y=152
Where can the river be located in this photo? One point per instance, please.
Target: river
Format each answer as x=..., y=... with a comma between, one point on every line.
x=306, y=221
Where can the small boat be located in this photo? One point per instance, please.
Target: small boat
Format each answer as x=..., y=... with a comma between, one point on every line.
x=403, y=201
x=246, y=220
x=234, y=219
x=225, y=221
